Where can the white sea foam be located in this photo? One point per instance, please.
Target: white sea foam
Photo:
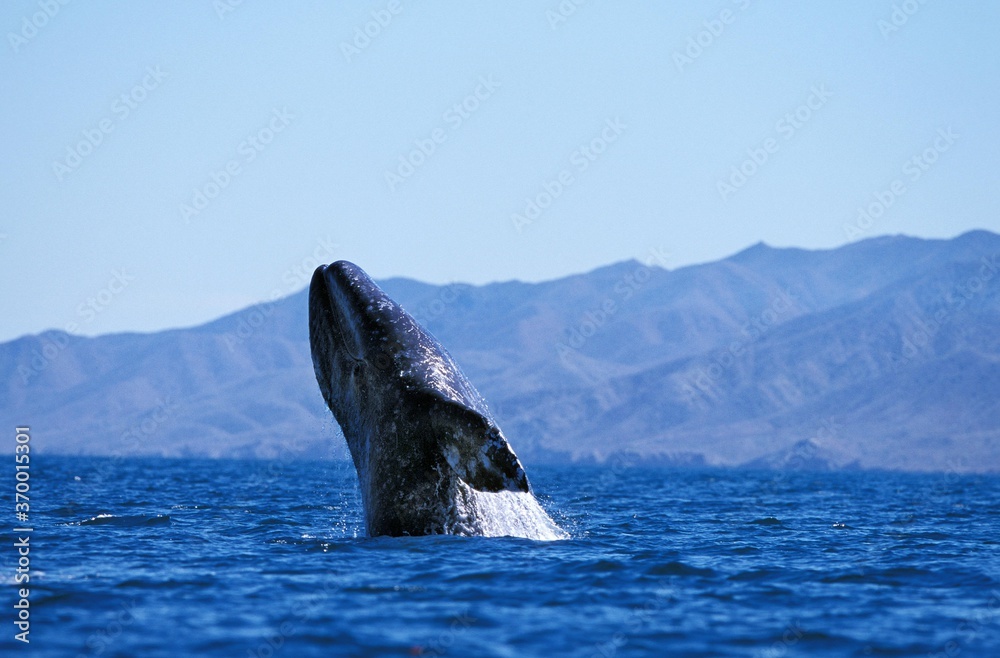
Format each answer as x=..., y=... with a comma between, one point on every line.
x=500, y=514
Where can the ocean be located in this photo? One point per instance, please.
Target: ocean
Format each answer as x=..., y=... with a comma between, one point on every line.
x=191, y=557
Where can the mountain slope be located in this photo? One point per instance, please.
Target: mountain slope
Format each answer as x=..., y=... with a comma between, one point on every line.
x=880, y=354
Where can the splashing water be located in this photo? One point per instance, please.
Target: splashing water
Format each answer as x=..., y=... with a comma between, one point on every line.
x=500, y=514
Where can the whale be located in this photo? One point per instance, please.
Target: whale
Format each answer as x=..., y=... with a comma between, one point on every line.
x=429, y=455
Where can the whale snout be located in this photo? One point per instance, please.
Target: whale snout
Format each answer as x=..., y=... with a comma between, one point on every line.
x=336, y=308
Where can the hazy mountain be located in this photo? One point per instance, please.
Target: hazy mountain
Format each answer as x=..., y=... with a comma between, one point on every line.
x=880, y=354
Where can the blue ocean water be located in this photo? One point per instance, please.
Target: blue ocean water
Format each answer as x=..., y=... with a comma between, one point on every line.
x=156, y=557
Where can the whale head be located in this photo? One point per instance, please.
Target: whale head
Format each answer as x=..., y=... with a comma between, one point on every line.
x=414, y=424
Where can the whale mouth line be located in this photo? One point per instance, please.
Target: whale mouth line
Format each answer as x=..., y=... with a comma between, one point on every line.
x=332, y=311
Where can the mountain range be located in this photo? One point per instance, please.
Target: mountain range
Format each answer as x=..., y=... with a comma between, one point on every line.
x=881, y=354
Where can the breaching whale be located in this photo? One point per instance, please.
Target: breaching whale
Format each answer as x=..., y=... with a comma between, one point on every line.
x=429, y=455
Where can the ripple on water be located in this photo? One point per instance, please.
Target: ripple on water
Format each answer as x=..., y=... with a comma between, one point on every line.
x=228, y=573
x=600, y=566
x=675, y=568
x=125, y=520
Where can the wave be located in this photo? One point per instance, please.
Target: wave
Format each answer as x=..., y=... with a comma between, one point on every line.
x=126, y=520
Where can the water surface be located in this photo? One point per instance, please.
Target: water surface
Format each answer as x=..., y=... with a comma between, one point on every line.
x=155, y=557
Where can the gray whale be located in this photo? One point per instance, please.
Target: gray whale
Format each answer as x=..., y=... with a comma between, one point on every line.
x=430, y=457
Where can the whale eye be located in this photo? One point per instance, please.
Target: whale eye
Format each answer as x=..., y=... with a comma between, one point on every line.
x=382, y=361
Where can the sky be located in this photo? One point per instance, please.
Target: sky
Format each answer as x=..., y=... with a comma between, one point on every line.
x=167, y=163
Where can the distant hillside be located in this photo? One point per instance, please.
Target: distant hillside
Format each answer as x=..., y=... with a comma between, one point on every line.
x=881, y=354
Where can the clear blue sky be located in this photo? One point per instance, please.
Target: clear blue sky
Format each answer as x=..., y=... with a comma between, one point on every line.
x=94, y=237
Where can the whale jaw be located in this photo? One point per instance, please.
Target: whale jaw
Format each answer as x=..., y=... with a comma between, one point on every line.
x=422, y=440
